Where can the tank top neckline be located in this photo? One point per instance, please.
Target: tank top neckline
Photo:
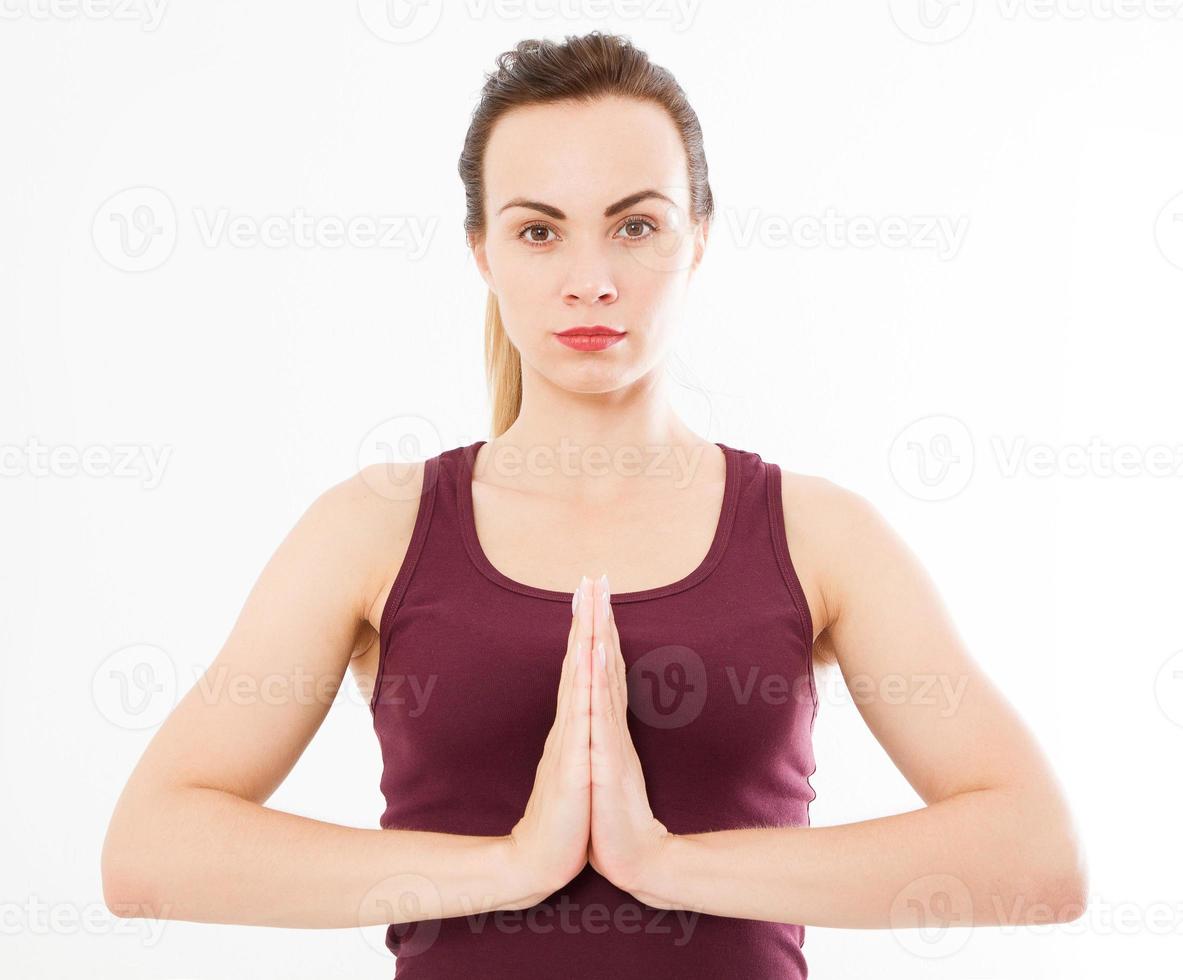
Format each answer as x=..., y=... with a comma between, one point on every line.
x=472, y=544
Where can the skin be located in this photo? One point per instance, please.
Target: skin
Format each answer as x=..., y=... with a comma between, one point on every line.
x=995, y=842
x=191, y=837
x=625, y=835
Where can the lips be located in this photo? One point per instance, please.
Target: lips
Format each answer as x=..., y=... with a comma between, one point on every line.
x=590, y=338
x=594, y=331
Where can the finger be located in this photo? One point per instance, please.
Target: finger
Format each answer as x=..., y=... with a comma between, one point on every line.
x=563, y=698
x=605, y=633
x=565, y=676
x=621, y=671
x=579, y=710
x=601, y=728
x=602, y=697
x=560, y=730
x=578, y=618
x=579, y=694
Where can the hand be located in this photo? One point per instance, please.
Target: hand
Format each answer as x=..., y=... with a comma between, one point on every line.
x=552, y=836
x=625, y=836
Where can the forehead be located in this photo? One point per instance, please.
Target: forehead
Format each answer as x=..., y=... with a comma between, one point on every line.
x=581, y=157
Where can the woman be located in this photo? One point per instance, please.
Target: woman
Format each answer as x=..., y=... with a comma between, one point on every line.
x=609, y=778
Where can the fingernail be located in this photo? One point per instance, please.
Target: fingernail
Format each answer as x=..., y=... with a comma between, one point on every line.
x=604, y=593
x=600, y=651
x=580, y=593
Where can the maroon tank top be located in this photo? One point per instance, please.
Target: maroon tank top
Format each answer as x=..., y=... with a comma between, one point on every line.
x=722, y=701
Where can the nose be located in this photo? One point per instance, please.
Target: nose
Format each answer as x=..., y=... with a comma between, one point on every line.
x=588, y=278
x=591, y=293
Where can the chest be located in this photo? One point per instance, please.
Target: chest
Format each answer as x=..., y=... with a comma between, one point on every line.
x=720, y=692
x=642, y=543
x=720, y=708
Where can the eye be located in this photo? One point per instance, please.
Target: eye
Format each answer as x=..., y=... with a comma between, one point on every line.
x=531, y=241
x=637, y=219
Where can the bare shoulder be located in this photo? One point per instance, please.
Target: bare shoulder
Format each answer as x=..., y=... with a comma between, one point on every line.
x=820, y=516
x=371, y=517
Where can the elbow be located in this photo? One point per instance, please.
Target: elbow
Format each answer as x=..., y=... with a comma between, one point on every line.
x=1049, y=871
x=119, y=903
x=123, y=892
x=1062, y=884
x=125, y=884
x=1066, y=888
x=121, y=896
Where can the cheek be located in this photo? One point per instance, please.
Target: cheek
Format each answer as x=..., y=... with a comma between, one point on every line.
x=649, y=293
x=519, y=274
x=660, y=266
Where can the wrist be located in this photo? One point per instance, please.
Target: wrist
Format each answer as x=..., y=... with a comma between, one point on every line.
x=652, y=883
x=526, y=886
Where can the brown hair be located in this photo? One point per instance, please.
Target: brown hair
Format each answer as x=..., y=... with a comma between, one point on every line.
x=583, y=68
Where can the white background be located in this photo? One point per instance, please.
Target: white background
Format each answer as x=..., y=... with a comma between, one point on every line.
x=231, y=382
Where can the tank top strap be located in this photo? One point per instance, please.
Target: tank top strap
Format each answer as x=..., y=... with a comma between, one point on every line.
x=749, y=561
x=758, y=557
x=430, y=500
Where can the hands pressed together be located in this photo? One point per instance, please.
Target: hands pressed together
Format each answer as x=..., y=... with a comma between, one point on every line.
x=588, y=803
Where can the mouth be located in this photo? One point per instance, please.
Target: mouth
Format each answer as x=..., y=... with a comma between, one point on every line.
x=590, y=338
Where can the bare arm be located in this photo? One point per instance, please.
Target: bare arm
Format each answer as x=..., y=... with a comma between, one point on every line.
x=191, y=838
x=995, y=842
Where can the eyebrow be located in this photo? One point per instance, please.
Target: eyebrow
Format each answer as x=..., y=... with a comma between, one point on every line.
x=623, y=204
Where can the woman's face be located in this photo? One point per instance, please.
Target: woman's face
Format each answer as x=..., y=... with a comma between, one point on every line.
x=587, y=222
